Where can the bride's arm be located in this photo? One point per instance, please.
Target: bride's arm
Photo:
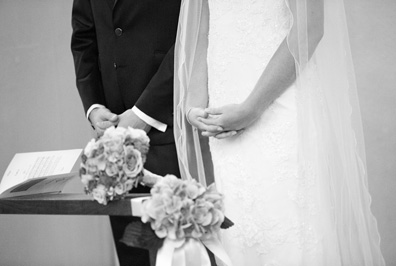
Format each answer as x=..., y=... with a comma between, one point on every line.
x=279, y=74
x=197, y=93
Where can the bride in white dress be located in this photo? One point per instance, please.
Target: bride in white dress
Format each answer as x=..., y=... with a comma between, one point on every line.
x=276, y=100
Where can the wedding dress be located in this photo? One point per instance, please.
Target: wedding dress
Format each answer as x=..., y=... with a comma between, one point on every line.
x=257, y=170
x=294, y=182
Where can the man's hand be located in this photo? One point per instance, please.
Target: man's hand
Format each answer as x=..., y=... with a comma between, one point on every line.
x=101, y=118
x=130, y=119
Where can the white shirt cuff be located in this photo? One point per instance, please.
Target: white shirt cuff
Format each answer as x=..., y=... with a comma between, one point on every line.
x=96, y=105
x=150, y=121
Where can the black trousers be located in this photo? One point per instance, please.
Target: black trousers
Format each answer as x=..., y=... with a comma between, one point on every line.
x=161, y=160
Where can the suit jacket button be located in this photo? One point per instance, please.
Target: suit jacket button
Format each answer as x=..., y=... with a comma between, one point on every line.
x=115, y=65
x=118, y=32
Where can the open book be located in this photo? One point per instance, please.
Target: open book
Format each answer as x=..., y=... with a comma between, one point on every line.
x=40, y=172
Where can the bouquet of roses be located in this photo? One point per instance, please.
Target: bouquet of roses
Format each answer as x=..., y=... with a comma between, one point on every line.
x=113, y=164
x=181, y=216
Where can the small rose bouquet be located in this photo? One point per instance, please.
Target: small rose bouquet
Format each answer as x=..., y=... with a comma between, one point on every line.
x=113, y=164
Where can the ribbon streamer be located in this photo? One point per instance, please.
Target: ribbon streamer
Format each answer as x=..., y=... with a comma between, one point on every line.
x=214, y=245
x=190, y=252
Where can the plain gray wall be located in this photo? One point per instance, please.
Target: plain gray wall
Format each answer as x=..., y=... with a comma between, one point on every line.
x=373, y=42
x=40, y=110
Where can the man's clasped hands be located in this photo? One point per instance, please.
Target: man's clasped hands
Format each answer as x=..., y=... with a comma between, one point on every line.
x=101, y=118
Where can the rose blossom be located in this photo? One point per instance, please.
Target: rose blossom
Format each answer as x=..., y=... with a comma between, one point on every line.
x=111, y=169
x=91, y=166
x=86, y=178
x=137, y=134
x=133, y=162
x=128, y=184
x=99, y=194
x=88, y=150
x=114, y=133
x=119, y=189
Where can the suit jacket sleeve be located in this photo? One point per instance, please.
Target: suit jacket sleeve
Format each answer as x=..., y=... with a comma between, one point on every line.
x=85, y=53
x=157, y=99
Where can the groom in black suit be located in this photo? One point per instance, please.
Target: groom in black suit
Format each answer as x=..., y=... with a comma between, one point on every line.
x=123, y=56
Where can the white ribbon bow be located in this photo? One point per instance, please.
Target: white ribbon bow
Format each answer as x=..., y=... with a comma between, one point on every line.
x=190, y=252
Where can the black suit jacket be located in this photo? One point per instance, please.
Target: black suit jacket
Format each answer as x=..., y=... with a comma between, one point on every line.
x=123, y=56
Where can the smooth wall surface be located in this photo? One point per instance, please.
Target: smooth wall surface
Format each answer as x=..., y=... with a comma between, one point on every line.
x=40, y=110
x=373, y=42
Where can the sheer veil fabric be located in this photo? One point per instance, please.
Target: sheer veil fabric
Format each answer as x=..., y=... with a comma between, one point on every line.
x=331, y=153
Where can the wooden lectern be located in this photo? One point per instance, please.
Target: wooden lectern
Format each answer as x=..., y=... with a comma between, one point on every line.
x=65, y=204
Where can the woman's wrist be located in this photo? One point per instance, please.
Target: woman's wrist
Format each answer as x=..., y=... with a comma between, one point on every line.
x=251, y=111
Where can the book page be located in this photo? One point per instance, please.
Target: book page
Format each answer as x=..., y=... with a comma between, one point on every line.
x=40, y=185
x=25, y=166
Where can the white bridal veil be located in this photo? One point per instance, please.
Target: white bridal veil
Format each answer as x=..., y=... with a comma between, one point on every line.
x=332, y=168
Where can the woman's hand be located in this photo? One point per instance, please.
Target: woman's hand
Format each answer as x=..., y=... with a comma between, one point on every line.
x=231, y=118
x=194, y=116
